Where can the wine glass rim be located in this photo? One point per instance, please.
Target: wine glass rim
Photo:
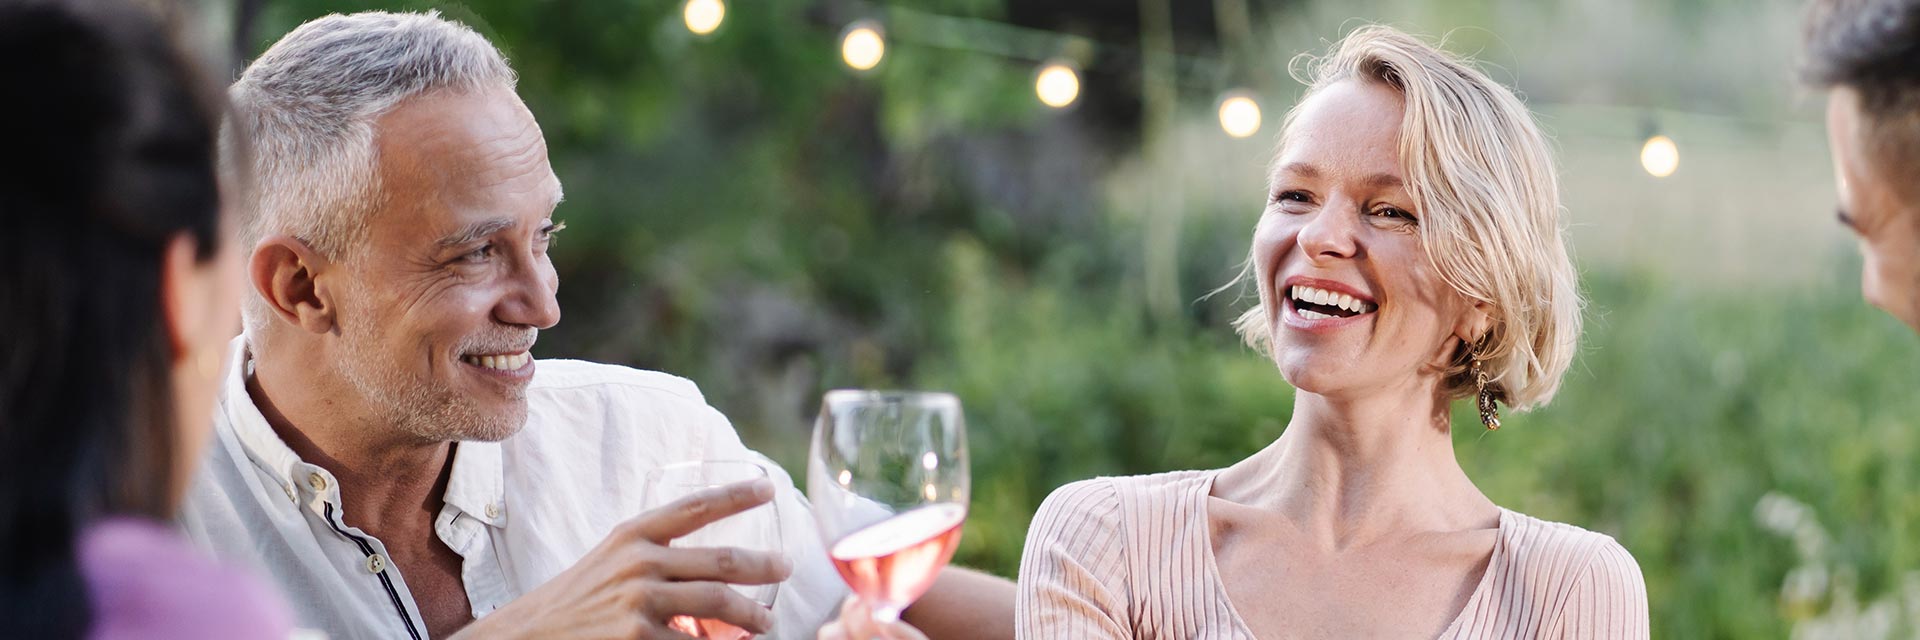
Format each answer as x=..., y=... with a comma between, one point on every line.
x=888, y=396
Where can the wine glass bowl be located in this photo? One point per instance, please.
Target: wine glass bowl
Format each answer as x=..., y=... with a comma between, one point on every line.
x=756, y=529
x=888, y=478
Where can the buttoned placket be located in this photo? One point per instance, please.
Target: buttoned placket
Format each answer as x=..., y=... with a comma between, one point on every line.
x=324, y=503
x=472, y=509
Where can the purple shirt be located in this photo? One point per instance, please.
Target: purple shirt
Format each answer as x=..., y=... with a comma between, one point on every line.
x=147, y=582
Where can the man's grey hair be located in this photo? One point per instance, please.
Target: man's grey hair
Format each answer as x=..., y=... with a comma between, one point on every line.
x=305, y=110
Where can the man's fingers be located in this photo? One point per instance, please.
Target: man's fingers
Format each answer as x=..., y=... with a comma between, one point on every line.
x=711, y=601
x=720, y=564
x=690, y=513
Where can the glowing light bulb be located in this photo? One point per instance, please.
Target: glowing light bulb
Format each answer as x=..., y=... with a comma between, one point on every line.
x=1660, y=157
x=1239, y=115
x=1058, y=85
x=704, y=16
x=862, y=46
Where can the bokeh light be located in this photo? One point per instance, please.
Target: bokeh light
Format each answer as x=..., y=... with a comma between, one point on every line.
x=1239, y=115
x=1660, y=157
x=862, y=46
x=704, y=16
x=1058, y=85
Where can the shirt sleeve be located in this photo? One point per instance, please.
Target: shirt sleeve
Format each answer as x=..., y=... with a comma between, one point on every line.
x=1073, y=573
x=1609, y=599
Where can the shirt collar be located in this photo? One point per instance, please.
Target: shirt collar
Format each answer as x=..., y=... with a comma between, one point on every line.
x=477, y=485
x=263, y=446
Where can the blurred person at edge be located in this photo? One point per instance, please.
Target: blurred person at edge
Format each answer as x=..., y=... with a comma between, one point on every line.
x=1866, y=55
x=1411, y=253
x=119, y=289
x=387, y=448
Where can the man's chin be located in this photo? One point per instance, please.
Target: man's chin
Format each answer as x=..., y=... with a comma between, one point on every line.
x=497, y=426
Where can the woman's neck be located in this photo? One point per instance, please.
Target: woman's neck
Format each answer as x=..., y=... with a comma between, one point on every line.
x=1351, y=471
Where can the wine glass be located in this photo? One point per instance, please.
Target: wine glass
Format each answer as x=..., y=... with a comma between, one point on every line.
x=887, y=476
x=756, y=529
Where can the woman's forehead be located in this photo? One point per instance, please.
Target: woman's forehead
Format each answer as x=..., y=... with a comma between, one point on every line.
x=1350, y=129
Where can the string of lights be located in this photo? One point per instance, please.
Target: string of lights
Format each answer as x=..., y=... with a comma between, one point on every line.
x=1058, y=80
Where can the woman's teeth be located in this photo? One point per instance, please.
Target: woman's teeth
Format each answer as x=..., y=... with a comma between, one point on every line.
x=503, y=363
x=1350, y=305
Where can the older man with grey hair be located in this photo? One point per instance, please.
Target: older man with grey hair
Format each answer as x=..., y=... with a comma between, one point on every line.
x=387, y=448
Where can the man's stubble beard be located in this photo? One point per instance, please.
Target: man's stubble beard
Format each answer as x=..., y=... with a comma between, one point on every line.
x=416, y=405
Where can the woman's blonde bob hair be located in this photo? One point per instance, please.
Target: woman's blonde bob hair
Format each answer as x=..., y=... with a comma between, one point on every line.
x=1480, y=173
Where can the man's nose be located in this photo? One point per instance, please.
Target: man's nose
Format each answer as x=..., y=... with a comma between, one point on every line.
x=533, y=301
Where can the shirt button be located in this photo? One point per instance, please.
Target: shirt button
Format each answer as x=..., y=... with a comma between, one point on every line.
x=493, y=510
x=376, y=563
x=317, y=481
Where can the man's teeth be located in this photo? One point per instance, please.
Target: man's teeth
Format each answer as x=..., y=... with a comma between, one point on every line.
x=503, y=363
x=1329, y=298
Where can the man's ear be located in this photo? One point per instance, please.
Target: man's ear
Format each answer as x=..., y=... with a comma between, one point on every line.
x=286, y=272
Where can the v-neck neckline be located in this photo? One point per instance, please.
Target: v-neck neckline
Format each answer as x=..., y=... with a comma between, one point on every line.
x=1494, y=561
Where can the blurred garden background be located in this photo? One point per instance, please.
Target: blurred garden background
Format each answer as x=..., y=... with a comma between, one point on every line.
x=747, y=210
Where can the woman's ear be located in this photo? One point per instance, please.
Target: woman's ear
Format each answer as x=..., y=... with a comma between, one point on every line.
x=184, y=290
x=1475, y=323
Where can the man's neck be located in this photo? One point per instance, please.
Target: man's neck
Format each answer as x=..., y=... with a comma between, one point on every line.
x=386, y=478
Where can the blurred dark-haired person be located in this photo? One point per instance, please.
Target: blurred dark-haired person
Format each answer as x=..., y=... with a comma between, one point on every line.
x=1866, y=54
x=119, y=290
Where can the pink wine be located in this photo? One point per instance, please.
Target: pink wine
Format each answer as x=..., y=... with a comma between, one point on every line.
x=704, y=628
x=892, y=562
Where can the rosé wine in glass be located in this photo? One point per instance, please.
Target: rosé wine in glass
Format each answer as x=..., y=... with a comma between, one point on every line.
x=888, y=479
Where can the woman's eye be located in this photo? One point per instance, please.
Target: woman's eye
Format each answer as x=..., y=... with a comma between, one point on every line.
x=1292, y=196
x=1395, y=213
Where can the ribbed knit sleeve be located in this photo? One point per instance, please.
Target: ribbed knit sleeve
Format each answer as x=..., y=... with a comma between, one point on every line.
x=1073, y=573
x=1608, y=600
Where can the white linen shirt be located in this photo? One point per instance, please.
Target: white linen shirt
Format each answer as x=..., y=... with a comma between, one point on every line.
x=518, y=511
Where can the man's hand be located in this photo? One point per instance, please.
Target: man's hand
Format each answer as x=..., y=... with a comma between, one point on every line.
x=632, y=583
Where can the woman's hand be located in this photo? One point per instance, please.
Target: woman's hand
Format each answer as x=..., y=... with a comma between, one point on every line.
x=856, y=623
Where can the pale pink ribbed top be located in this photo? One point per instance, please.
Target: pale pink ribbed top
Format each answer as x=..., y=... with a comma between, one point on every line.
x=1132, y=558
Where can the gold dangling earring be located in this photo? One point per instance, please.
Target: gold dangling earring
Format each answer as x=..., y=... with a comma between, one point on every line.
x=1489, y=409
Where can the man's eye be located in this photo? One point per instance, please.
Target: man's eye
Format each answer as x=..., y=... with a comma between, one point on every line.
x=481, y=254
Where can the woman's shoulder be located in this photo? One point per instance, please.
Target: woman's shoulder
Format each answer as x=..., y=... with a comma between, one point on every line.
x=1540, y=539
x=148, y=582
x=1113, y=498
x=1594, y=585
x=1569, y=554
